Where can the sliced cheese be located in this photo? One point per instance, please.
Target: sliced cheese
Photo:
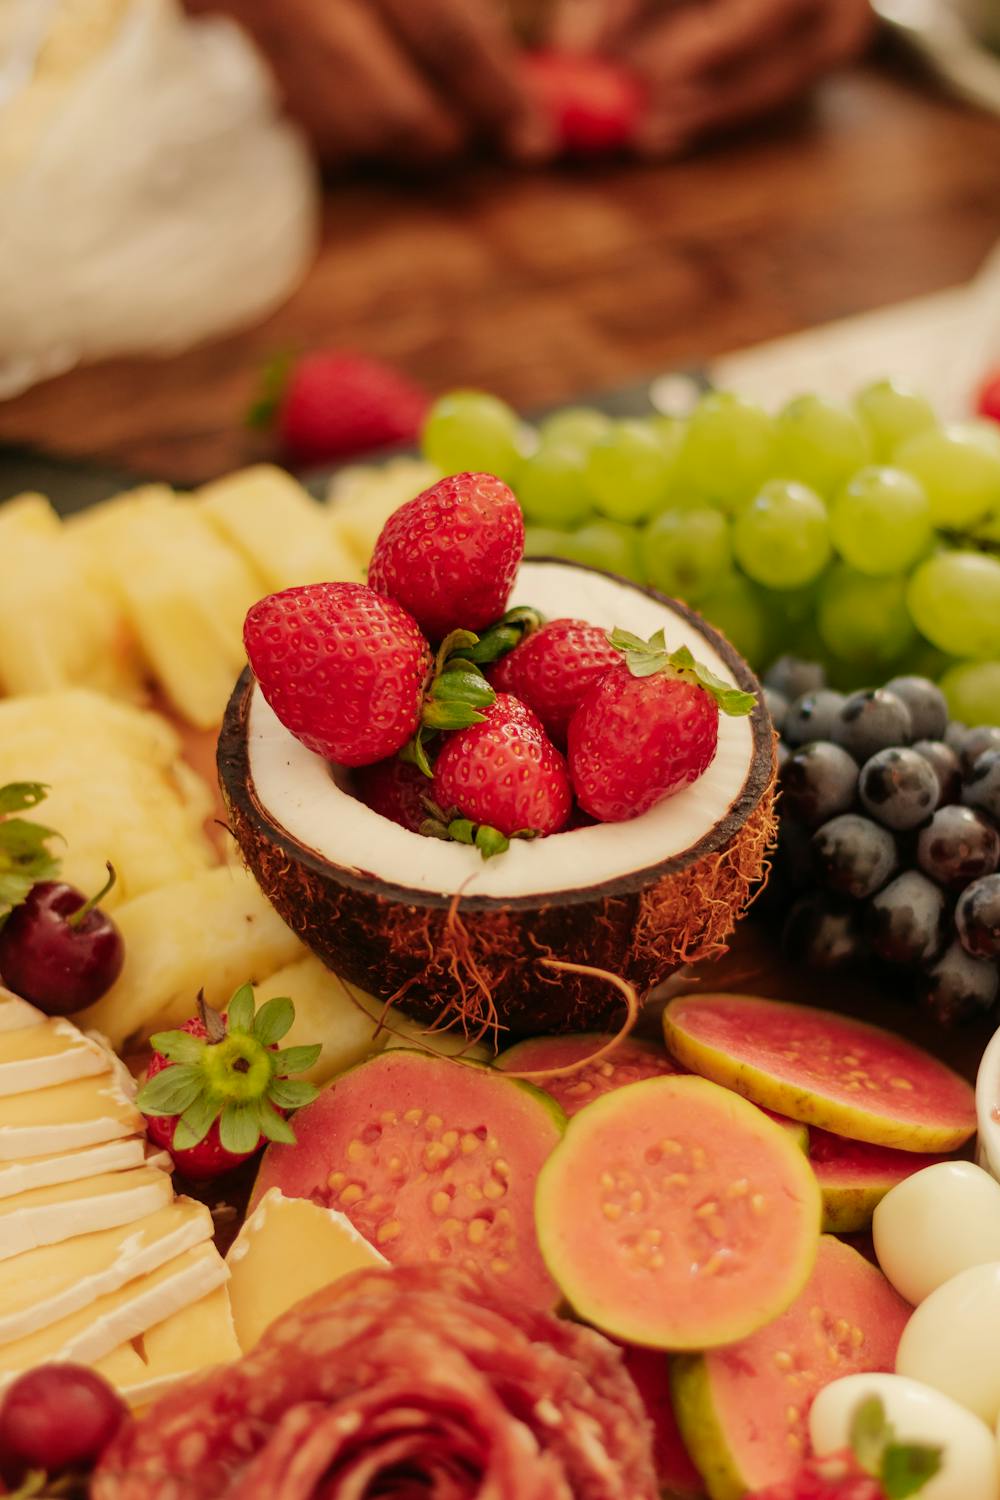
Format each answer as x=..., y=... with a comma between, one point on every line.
x=180, y=1347
x=37, y=1057
x=73, y=1166
x=16, y=1013
x=65, y=1117
x=287, y=1249
x=48, y=1215
x=41, y=1286
x=94, y=1331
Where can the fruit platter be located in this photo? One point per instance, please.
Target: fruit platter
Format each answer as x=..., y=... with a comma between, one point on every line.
x=495, y=962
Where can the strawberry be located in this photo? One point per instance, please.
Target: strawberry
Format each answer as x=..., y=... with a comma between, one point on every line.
x=504, y=776
x=396, y=790
x=593, y=104
x=988, y=399
x=343, y=668
x=837, y=1477
x=333, y=405
x=218, y=1088
x=646, y=728
x=552, y=668
x=450, y=555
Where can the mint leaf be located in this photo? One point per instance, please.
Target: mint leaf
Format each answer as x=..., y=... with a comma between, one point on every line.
x=239, y=1128
x=239, y=1011
x=869, y=1434
x=906, y=1468
x=177, y=1046
x=19, y=796
x=170, y=1092
x=274, y=1020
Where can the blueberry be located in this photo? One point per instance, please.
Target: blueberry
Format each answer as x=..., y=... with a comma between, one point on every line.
x=975, y=742
x=957, y=987
x=777, y=707
x=982, y=785
x=955, y=734
x=958, y=845
x=906, y=920
x=855, y=857
x=791, y=676
x=946, y=767
x=977, y=917
x=817, y=782
x=899, y=788
x=824, y=932
x=873, y=720
x=927, y=705
x=814, y=716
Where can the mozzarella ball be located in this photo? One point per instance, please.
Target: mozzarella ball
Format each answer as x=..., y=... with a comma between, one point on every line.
x=936, y=1223
x=952, y=1341
x=919, y=1415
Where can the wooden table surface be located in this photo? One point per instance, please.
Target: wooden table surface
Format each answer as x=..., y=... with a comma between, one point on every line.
x=541, y=285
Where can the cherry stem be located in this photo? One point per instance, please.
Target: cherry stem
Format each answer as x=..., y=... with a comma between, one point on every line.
x=75, y=919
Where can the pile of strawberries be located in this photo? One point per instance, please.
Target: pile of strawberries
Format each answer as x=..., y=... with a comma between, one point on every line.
x=467, y=720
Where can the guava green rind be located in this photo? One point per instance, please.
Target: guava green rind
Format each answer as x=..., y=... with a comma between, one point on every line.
x=700, y=1428
x=854, y=1177
x=748, y=1044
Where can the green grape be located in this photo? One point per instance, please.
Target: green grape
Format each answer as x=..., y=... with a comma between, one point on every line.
x=890, y=413
x=819, y=443
x=609, y=545
x=863, y=619
x=954, y=598
x=551, y=485
x=959, y=467
x=728, y=449
x=471, y=430
x=546, y=541
x=686, y=551
x=628, y=471
x=738, y=609
x=972, y=689
x=579, y=425
x=782, y=538
x=881, y=521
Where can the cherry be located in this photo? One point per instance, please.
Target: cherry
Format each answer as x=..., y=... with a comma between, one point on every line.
x=58, y=951
x=57, y=1417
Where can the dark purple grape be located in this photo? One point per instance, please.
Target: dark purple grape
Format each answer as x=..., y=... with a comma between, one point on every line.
x=814, y=716
x=982, y=784
x=791, y=676
x=854, y=856
x=927, y=705
x=822, y=931
x=872, y=720
x=777, y=707
x=975, y=742
x=977, y=917
x=906, y=920
x=957, y=846
x=817, y=782
x=946, y=767
x=958, y=987
x=899, y=788
x=955, y=734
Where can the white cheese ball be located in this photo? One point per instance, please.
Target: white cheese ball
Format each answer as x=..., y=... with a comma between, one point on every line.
x=936, y=1223
x=952, y=1341
x=919, y=1415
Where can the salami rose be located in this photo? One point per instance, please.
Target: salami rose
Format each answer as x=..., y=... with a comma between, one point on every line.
x=417, y=1383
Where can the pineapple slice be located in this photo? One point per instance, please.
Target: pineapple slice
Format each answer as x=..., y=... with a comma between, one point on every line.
x=118, y=789
x=211, y=933
x=325, y=1012
x=282, y=532
x=362, y=498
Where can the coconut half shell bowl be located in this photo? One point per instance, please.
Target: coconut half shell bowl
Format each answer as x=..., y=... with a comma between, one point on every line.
x=457, y=940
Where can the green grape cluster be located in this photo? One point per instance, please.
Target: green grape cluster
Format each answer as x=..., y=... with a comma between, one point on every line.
x=864, y=535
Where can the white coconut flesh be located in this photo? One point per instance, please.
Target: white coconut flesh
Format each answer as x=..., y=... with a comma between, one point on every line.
x=297, y=791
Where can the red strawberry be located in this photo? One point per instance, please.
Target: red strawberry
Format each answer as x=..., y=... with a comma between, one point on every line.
x=836, y=1477
x=988, y=401
x=343, y=668
x=505, y=773
x=552, y=669
x=646, y=729
x=450, y=556
x=333, y=405
x=594, y=105
x=218, y=1088
x=396, y=790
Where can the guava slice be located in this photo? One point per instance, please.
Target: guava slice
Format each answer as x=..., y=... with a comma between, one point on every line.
x=675, y=1215
x=677, y=1475
x=431, y=1160
x=855, y=1176
x=742, y=1411
x=824, y=1069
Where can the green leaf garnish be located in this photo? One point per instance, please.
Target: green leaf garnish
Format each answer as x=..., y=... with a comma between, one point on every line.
x=274, y=1020
x=646, y=658
x=24, y=857
x=20, y=796
x=902, y=1469
x=868, y=1433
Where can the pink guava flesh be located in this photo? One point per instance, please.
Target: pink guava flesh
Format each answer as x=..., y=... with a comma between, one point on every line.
x=630, y=1060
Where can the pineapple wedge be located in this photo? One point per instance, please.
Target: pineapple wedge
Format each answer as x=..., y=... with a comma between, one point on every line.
x=326, y=1013
x=362, y=498
x=212, y=933
x=279, y=529
x=118, y=789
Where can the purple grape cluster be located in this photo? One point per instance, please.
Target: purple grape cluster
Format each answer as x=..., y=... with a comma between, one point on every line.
x=889, y=845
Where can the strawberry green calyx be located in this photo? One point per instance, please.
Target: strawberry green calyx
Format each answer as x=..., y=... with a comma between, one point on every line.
x=457, y=829
x=645, y=658
x=273, y=380
x=902, y=1469
x=234, y=1075
x=25, y=858
x=509, y=631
